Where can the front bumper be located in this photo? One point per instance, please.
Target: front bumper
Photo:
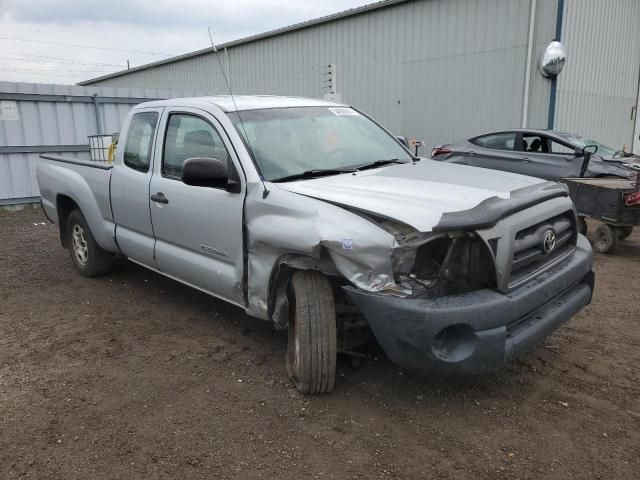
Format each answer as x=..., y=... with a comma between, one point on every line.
x=480, y=331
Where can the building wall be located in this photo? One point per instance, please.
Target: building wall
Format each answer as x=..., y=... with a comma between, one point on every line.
x=436, y=70
x=599, y=85
x=56, y=118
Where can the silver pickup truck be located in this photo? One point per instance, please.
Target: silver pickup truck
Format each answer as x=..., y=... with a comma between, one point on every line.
x=312, y=216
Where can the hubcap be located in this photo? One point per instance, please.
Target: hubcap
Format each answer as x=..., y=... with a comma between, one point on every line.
x=80, y=248
x=602, y=241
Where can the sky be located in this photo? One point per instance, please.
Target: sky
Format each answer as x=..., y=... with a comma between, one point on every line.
x=67, y=41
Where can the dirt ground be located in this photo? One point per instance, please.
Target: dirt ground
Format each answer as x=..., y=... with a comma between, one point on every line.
x=136, y=376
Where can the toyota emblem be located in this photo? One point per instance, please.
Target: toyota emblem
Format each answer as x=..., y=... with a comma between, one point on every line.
x=549, y=241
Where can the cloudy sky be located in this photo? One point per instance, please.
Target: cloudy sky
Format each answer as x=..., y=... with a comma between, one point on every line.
x=66, y=41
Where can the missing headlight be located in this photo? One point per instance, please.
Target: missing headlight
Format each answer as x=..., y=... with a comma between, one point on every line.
x=447, y=264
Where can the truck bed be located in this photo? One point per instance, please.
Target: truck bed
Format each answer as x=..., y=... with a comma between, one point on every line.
x=83, y=182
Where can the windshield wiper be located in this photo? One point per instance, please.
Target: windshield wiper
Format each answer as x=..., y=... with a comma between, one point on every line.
x=377, y=163
x=325, y=172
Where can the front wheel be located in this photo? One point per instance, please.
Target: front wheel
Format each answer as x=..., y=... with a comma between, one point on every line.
x=312, y=344
x=87, y=256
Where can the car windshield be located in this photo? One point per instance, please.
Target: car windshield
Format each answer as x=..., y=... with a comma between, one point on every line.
x=581, y=142
x=288, y=142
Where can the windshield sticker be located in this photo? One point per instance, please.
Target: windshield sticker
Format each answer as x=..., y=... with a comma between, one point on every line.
x=340, y=111
x=347, y=244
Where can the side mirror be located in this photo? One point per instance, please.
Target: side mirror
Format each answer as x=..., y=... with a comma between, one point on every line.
x=404, y=141
x=586, y=150
x=205, y=172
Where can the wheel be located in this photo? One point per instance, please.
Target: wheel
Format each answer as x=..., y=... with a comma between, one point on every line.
x=605, y=238
x=582, y=225
x=87, y=256
x=624, y=232
x=312, y=344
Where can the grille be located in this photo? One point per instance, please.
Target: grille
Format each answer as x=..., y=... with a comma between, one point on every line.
x=529, y=253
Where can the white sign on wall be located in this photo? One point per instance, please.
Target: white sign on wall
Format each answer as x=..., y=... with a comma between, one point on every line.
x=9, y=110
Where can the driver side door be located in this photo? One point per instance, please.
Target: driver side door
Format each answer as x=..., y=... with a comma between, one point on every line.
x=198, y=230
x=543, y=157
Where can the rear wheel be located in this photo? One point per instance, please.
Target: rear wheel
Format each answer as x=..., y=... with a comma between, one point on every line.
x=605, y=238
x=87, y=256
x=311, y=348
x=624, y=232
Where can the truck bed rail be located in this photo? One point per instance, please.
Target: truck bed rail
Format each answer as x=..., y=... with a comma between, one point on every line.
x=104, y=165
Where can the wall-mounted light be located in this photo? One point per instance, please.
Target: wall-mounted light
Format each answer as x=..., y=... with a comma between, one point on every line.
x=553, y=59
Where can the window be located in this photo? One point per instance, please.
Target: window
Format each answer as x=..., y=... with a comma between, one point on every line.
x=534, y=143
x=189, y=136
x=497, y=141
x=561, y=149
x=137, y=150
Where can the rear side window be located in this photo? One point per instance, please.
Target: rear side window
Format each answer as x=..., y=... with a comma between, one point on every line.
x=189, y=136
x=137, y=150
x=496, y=141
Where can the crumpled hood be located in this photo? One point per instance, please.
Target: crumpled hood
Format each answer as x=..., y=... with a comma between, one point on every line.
x=415, y=194
x=622, y=167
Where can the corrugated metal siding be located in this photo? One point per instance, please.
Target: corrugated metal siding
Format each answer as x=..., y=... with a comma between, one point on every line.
x=57, y=123
x=436, y=70
x=599, y=85
x=539, y=86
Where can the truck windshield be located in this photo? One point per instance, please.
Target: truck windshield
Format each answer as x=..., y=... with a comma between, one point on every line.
x=287, y=142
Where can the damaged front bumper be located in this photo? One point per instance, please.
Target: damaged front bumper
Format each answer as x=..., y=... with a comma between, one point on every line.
x=479, y=331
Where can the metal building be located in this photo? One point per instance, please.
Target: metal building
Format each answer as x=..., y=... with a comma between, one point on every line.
x=45, y=118
x=439, y=70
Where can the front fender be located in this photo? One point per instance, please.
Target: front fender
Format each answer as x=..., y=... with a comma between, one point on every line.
x=289, y=224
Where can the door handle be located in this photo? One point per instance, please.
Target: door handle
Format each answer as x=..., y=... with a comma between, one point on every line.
x=525, y=159
x=159, y=198
x=471, y=154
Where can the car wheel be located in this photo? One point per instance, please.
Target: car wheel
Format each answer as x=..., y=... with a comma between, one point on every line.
x=87, y=256
x=605, y=238
x=312, y=342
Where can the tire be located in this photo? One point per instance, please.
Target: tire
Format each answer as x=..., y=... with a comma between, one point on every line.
x=582, y=226
x=624, y=232
x=312, y=343
x=87, y=256
x=605, y=238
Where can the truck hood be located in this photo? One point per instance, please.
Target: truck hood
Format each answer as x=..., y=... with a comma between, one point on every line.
x=417, y=194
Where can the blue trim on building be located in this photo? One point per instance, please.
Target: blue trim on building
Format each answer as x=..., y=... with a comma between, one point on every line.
x=554, y=82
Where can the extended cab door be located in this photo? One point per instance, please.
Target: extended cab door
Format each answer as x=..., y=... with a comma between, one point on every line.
x=198, y=230
x=130, y=179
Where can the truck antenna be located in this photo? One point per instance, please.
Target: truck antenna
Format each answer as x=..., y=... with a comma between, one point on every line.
x=265, y=191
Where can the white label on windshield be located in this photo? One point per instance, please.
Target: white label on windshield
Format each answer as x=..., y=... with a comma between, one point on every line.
x=340, y=111
x=347, y=244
